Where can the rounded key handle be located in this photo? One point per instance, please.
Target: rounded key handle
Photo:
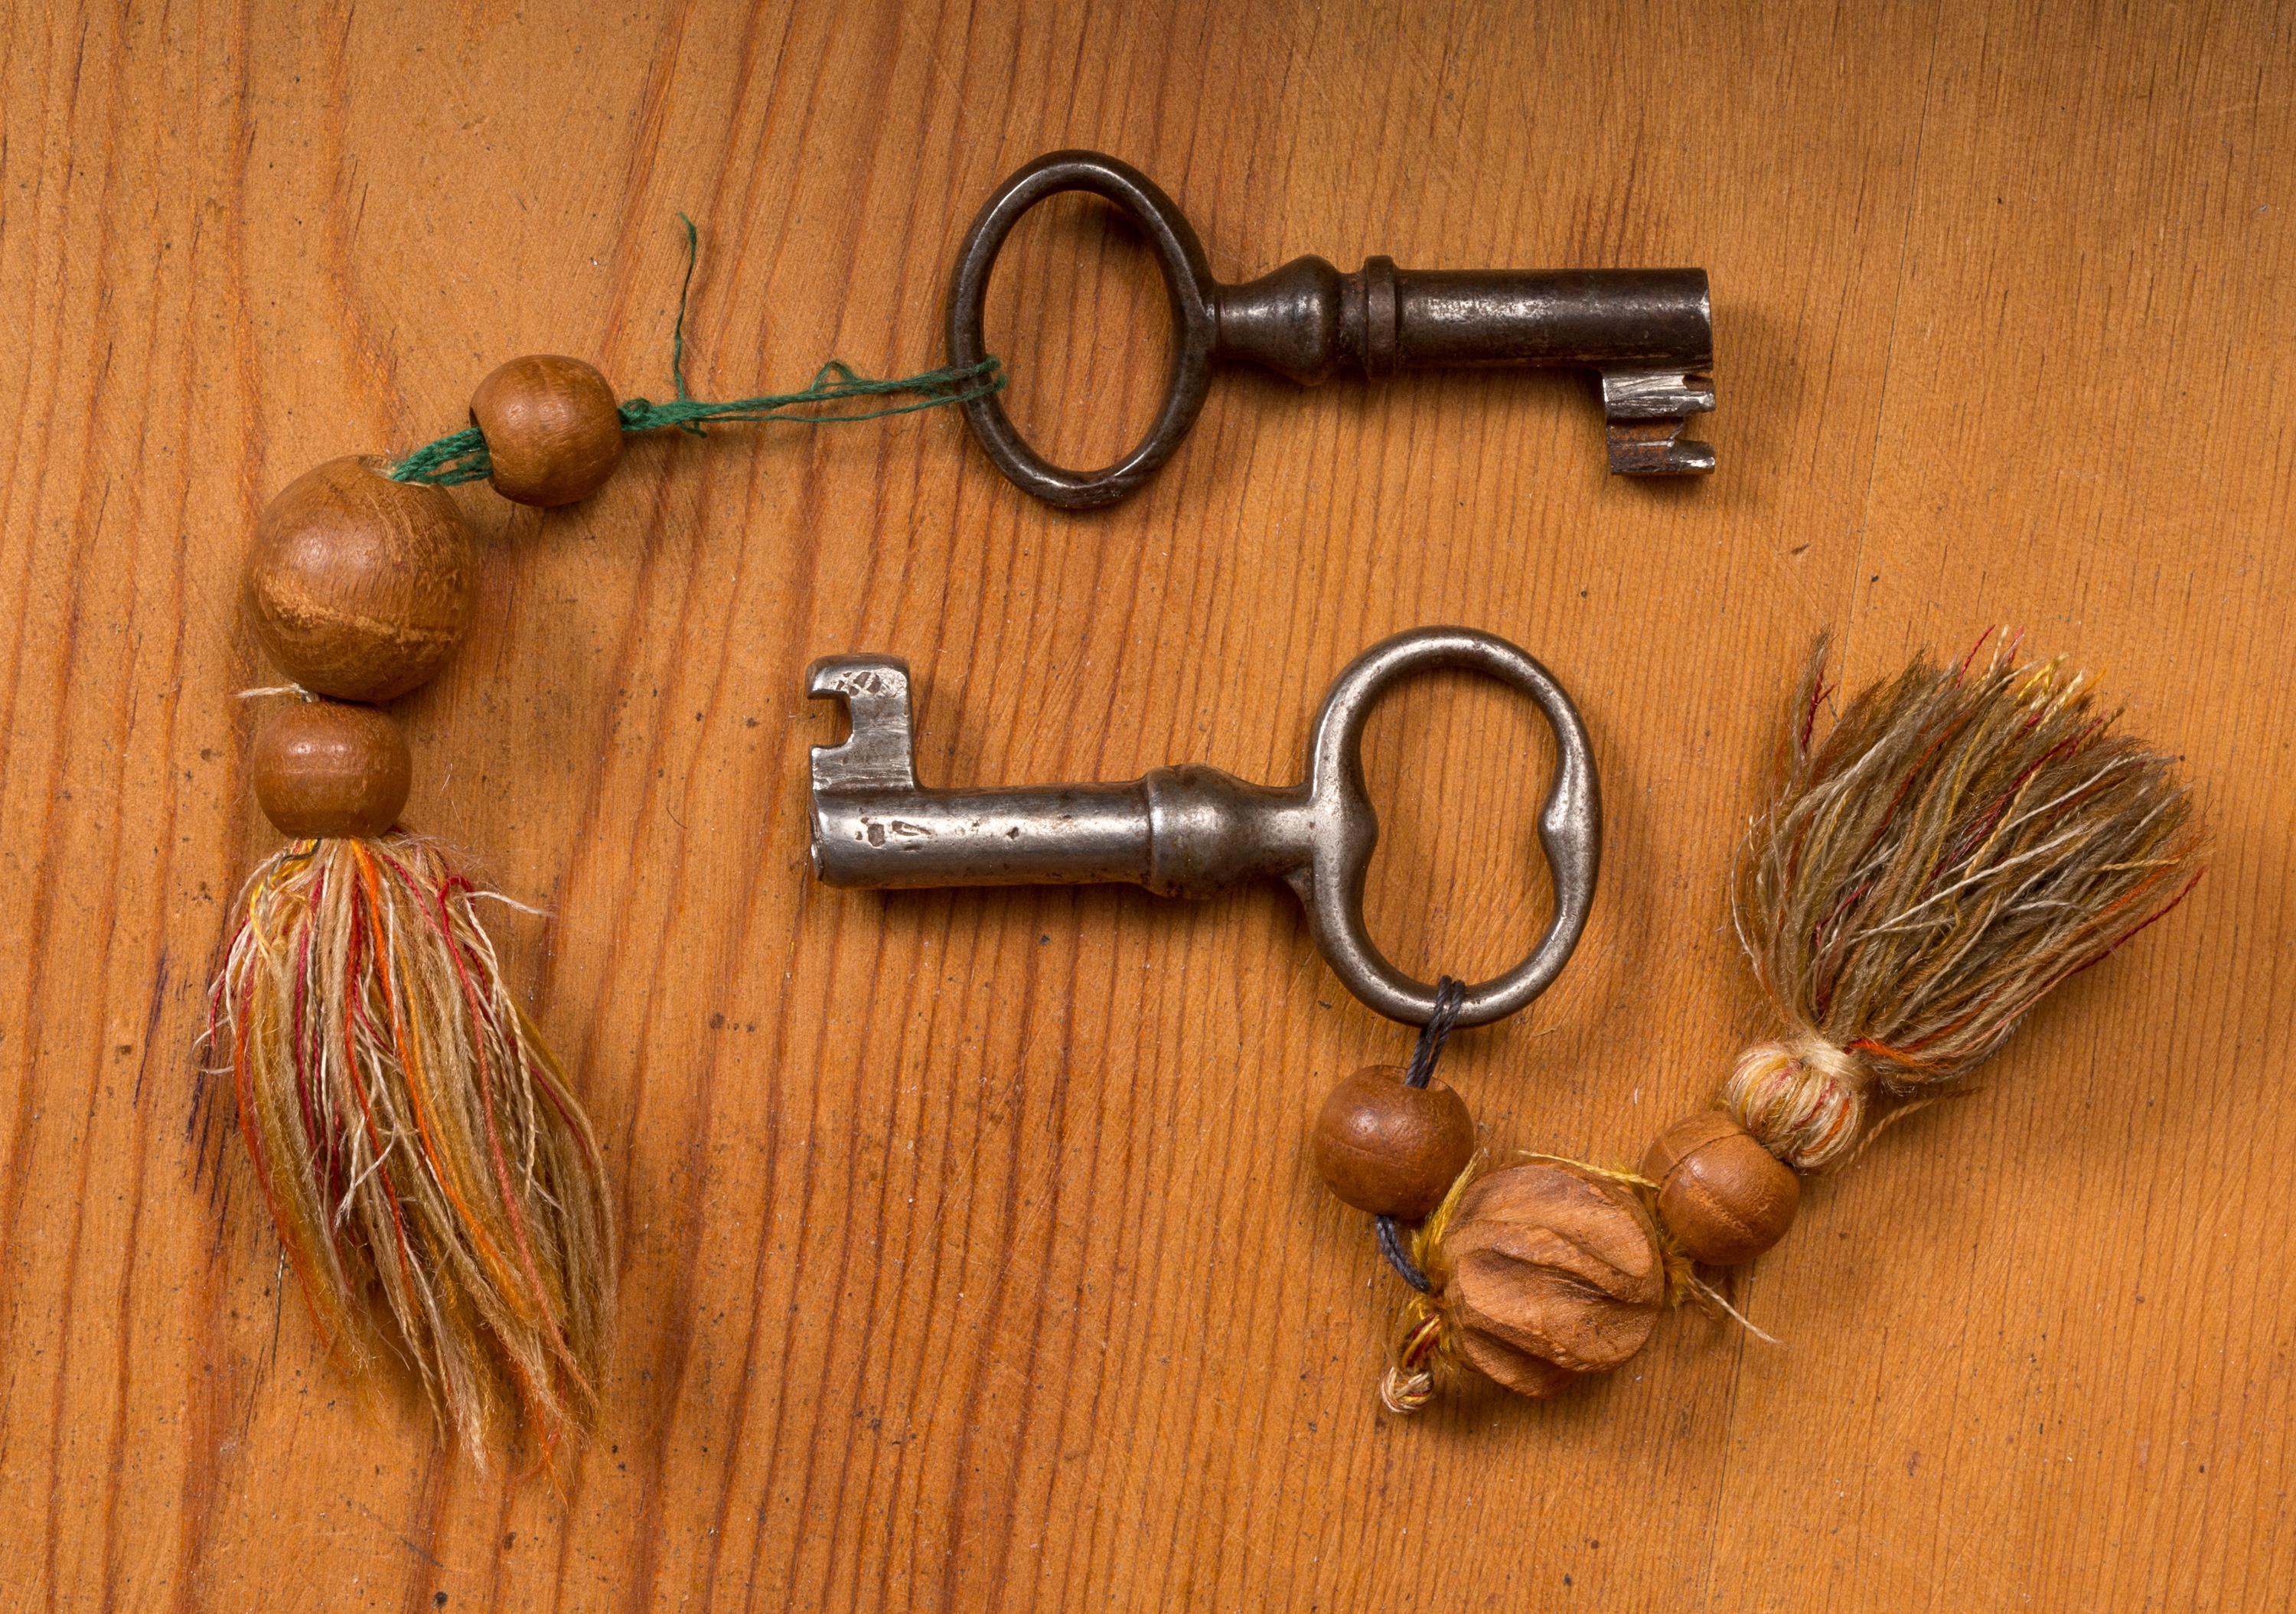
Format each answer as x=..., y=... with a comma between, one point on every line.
x=1195, y=325
x=1346, y=826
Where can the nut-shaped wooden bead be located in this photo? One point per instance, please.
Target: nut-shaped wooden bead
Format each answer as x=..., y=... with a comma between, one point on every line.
x=1548, y=1273
x=330, y=768
x=1390, y=1148
x=554, y=431
x=1724, y=1197
x=360, y=587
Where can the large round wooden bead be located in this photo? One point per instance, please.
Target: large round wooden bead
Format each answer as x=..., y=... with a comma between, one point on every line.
x=1724, y=1197
x=553, y=429
x=328, y=768
x=360, y=587
x=1391, y=1148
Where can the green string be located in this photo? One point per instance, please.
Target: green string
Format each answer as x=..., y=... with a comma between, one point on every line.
x=677, y=331
x=461, y=456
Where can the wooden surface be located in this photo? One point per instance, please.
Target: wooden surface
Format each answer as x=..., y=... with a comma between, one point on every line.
x=973, y=1258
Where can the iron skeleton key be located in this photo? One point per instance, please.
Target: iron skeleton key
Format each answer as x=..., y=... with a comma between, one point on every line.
x=1192, y=830
x=1648, y=334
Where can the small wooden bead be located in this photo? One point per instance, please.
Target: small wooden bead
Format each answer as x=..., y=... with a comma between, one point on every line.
x=1390, y=1148
x=330, y=768
x=360, y=587
x=553, y=429
x=1724, y=1197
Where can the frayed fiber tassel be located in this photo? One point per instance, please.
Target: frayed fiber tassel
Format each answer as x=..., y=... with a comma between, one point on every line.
x=411, y=1135
x=1959, y=841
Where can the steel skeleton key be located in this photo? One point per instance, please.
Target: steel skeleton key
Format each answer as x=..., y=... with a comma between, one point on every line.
x=1190, y=831
x=1647, y=333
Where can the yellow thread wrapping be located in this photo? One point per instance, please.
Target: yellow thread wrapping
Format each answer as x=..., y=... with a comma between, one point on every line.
x=1420, y=1356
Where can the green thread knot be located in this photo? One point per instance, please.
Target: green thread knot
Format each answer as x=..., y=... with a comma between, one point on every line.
x=461, y=456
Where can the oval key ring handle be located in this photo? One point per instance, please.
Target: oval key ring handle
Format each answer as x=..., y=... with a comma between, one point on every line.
x=1346, y=825
x=1195, y=324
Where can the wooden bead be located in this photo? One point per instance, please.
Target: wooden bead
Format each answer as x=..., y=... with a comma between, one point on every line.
x=1390, y=1148
x=360, y=587
x=1725, y=1198
x=1552, y=1272
x=329, y=768
x=553, y=429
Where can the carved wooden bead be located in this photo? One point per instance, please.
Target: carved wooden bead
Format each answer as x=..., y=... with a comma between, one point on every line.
x=360, y=587
x=1724, y=1197
x=1549, y=1272
x=330, y=768
x=554, y=431
x=1390, y=1148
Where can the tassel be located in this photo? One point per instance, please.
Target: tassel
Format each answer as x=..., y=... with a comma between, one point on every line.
x=1963, y=839
x=412, y=1136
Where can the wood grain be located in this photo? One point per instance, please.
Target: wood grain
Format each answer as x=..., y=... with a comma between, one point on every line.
x=973, y=1257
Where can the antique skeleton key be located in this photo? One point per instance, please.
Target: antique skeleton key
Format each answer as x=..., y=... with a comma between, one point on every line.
x=1190, y=831
x=1648, y=334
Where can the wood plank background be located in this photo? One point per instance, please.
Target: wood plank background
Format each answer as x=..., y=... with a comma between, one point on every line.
x=973, y=1258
